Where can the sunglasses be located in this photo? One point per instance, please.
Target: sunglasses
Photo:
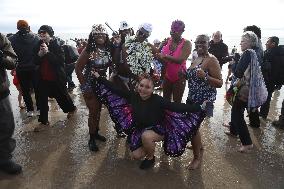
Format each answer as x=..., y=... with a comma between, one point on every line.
x=200, y=42
x=42, y=32
x=140, y=33
x=100, y=34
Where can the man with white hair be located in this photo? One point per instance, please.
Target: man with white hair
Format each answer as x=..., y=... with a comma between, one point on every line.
x=218, y=48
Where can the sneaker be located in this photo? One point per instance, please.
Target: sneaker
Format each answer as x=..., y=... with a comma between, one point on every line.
x=11, y=167
x=100, y=137
x=92, y=145
x=30, y=114
x=147, y=163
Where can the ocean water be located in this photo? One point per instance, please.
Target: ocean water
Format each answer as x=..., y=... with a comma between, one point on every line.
x=231, y=41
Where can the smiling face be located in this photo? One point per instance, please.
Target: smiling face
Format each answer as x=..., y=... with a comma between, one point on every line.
x=142, y=35
x=201, y=45
x=145, y=88
x=100, y=38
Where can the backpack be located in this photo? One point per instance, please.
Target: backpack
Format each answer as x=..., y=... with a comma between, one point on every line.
x=277, y=66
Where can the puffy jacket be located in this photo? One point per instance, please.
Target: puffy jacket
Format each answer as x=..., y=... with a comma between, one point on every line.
x=23, y=44
x=7, y=61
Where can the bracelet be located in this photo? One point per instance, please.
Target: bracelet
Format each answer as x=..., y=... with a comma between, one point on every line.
x=206, y=77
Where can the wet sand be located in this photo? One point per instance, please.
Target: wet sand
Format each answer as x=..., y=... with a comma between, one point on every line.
x=58, y=157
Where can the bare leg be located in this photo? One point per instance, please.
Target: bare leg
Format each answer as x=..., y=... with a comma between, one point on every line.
x=149, y=139
x=138, y=154
x=196, y=146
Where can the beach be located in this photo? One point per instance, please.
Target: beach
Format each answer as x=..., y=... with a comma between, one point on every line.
x=58, y=157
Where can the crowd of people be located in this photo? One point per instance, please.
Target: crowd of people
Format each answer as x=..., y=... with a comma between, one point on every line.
x=122, y=71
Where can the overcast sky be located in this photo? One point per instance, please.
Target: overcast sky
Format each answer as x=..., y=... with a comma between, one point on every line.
x=200, y=16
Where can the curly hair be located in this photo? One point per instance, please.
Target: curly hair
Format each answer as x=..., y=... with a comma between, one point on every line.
x=254, y=29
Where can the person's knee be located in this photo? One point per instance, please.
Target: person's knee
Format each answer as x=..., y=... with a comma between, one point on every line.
x=137, y=155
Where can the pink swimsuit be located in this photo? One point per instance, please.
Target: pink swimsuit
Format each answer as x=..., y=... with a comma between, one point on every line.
x=172, y=68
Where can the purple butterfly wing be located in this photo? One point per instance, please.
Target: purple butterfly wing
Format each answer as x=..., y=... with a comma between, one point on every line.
x=179, y=130
x=119, y=109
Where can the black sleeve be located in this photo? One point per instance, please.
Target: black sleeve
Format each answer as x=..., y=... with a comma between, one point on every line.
x=114, y=89
x=178, y=107
x=242, y=64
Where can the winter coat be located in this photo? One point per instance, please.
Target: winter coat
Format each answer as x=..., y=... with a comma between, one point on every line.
x=7, y=61
x=24, y=44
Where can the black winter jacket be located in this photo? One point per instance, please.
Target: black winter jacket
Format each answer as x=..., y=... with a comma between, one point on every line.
x=7, y=61
x=55, y=57
x=219, y=50
x=24, y=44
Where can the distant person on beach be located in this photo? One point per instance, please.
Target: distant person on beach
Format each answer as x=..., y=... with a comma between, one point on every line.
x=148, y=118
x=174, y=56
x=18, y=87
x=24, y=43
x=71, y=56
x=218, y=48
x=96, y=56
x=158, y=68
x=204, y=76
x=268, y=69
x=7, y=124
x=49, y=55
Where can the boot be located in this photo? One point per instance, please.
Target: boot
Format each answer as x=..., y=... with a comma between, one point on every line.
x=99, y=137
x=92, y=145
x=10, y=167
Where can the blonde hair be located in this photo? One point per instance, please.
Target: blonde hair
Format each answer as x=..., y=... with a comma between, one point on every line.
x=251, y=37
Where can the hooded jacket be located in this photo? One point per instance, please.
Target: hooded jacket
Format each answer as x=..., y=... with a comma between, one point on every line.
x=23, y=44
x=7, y=61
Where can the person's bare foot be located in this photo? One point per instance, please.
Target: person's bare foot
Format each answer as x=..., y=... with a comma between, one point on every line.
x=230, y=134
x=245, y=148
x=194, y=164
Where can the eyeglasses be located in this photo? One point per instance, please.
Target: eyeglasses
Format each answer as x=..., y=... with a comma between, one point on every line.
x=200, y=42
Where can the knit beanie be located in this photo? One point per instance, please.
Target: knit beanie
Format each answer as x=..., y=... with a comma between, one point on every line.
x=47, y=29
